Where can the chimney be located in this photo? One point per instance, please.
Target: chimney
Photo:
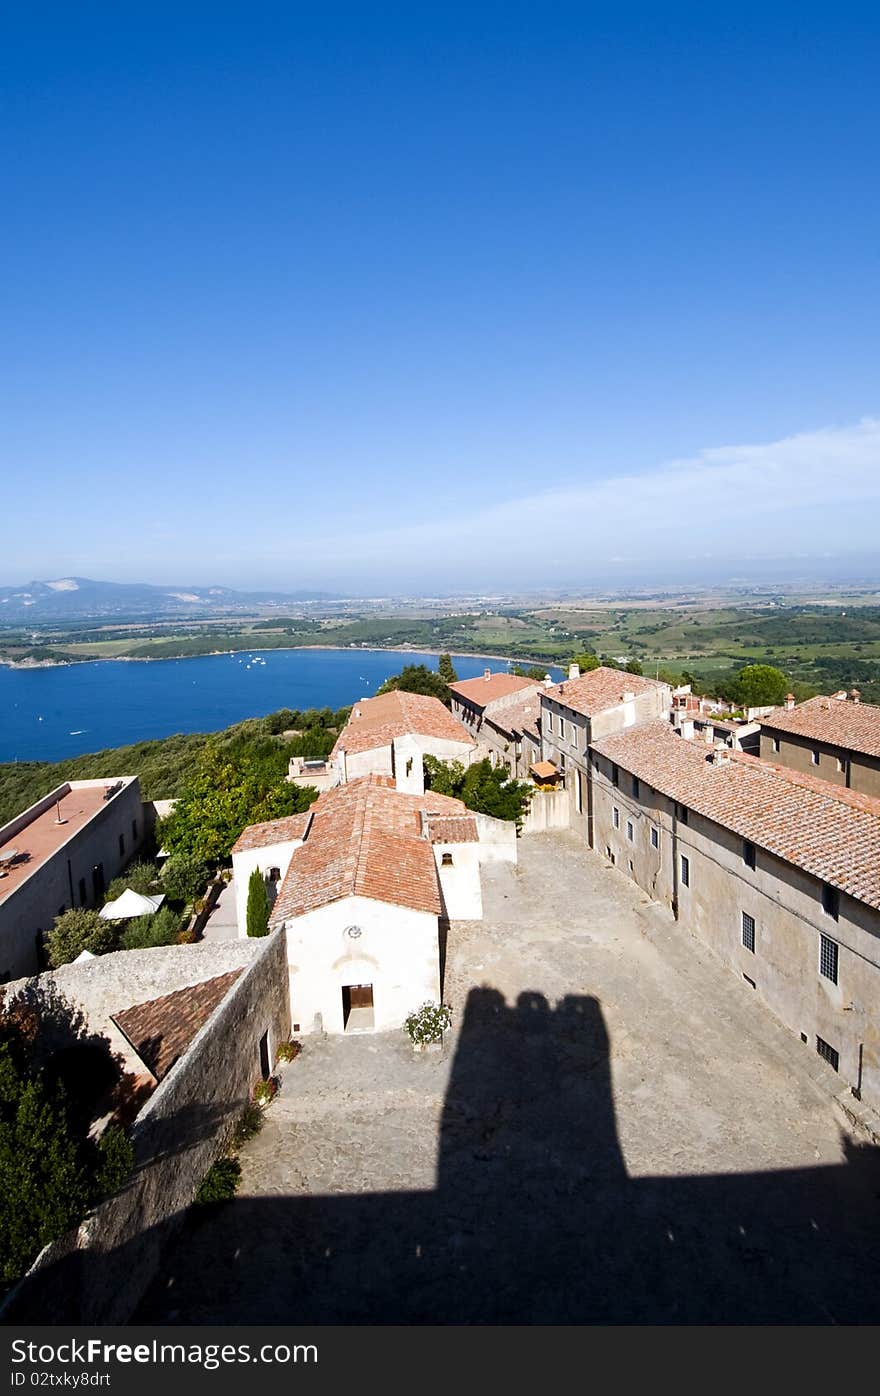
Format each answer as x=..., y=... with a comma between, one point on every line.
x=789, y=701
x=626, y=696
x=574, y=671
x=719, y=756
x=841, y=696
x=709, y=733
x=548, y=682
x=487, y=674
x=855, y=695
x=686, y=728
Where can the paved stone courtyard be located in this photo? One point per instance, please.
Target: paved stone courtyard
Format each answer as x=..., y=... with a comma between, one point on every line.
x=614, y=1131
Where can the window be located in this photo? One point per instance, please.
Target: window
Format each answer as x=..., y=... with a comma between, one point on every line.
x=748, y=931
x=776, y=743
x=636, y=787
x=685, y=871
x=748, y=853
x=828, y=958
x=842, y=765
x=681, y=813
x=562, y=729
x=446, y=860
x=830, y=1054
x=615, y=817
x=830, y=901
x=274, y=874
x=134, y=831
x=615, y=777
x=549, y=722
x=121, y=845
x=629, y=830
x=814, y=756
x=574, y=736
x=655, y=836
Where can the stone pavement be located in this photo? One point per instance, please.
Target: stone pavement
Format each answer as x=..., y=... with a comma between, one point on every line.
x=221, y=923
x=615, y=1131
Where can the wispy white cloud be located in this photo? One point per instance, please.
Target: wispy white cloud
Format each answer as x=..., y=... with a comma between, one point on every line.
x=816, y=493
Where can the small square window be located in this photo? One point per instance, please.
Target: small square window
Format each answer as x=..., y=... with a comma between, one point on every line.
x=615, y=817
x=655, y=836
x=828, y=958
x=629, y=830
x=446, y=860
x=776, y=744
x=815, y=758
x=830, y=901
x=681, y=813
x=748, y=853
x=748, y=931
x=685, y=871
x=842, y=765
x=830, y=1054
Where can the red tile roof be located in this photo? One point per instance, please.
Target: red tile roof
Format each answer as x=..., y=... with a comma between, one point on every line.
x=375, y=722
x=600, y=689
x=828, y=831
x=161, y=1030
x=367, y=839
x=478, y=692
x=286, y=830
x=837, y=721
x=442, y=828
x=519, y=717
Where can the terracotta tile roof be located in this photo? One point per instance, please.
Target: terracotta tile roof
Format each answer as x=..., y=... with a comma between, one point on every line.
x=600, y=689
x=478, y=692
x=294, y=826
x=367, y=839
x=828, y=831
x=519, y=717
x=838, y=721
x=444, y=828
x=161, y=1030
x=375, y=722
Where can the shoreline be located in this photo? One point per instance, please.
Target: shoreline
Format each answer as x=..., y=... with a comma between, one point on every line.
x=257, y=649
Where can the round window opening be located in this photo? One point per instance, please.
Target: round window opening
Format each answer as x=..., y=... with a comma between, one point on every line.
x=353, y=932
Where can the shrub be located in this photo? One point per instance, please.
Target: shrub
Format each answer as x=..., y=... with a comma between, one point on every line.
x=287, y=1051
x=146, y=932
x=250, y=1122
x=183, y=877
x=186, y=937
x=140, y=877
x=116, y=1155
x=77, y=930
x=220, y=1183
x=428, y=1023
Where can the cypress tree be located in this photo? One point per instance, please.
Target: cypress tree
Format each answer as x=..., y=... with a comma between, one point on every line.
x=257, y=905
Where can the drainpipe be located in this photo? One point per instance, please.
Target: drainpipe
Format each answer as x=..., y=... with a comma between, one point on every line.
x=674, y=862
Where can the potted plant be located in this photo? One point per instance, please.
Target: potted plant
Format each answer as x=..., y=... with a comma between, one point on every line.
x=266, y=1091
x=287, y=1051
x=427, y=1025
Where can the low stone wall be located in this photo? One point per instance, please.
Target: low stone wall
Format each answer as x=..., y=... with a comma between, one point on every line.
x=549, y=809
x=97, y=1273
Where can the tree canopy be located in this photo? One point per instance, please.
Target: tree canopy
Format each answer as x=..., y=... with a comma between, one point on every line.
x=418, y=678
x=446, y=669
x=585, y=662
x=77, y=930
x=482, y=787
x=758, y=686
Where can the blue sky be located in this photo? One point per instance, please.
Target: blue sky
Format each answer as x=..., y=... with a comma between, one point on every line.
x=400, y=297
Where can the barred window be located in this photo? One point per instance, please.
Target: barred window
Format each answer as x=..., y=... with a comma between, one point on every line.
x=655, y=836
x=831, y=1055
x=828, y=958
x=685, y=871
x=629, y=830
x=615, y=817
x=748, y=931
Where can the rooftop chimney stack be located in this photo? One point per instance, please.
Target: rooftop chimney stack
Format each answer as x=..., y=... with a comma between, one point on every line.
x=487, y=674
x=574, y=671
x=548, y=682
x=855, y=696
x=720, y=756
x=789, y=701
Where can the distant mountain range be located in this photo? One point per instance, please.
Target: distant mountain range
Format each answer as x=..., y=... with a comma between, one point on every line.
x=74, y=598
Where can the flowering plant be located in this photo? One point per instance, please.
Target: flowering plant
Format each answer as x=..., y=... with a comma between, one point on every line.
x=264, y=1091
x=428, y=1023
